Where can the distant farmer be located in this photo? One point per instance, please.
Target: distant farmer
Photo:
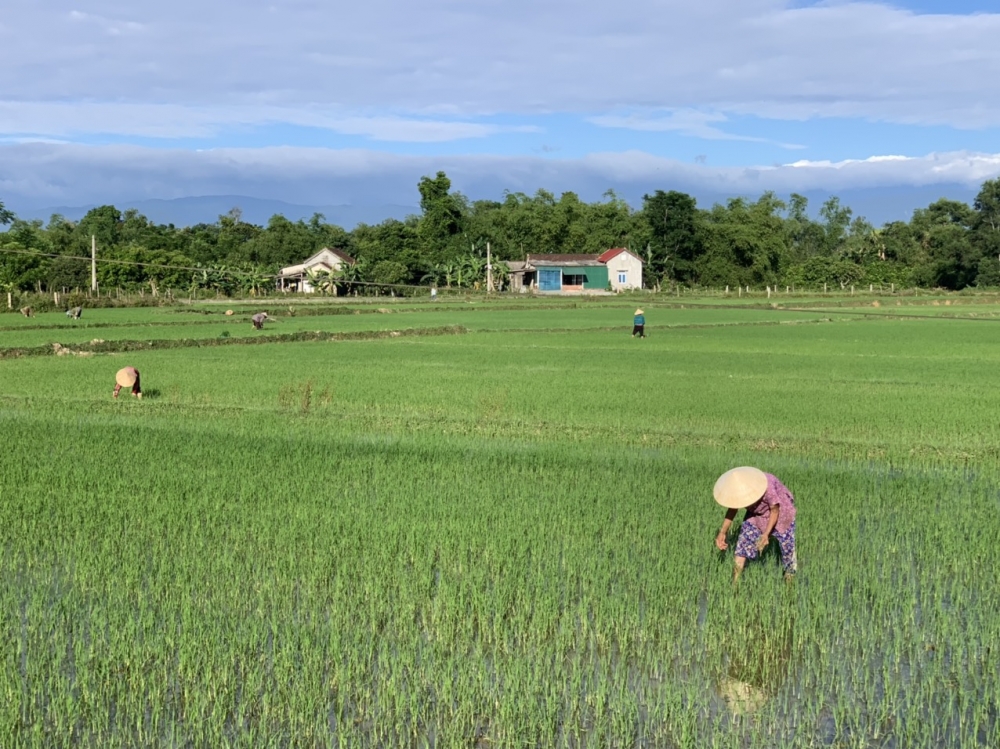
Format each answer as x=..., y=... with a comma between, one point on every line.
x=128, y=378
x=27, y=312
x=639, y=324
x=74, y=312
x=770, y=510
x=258, y=320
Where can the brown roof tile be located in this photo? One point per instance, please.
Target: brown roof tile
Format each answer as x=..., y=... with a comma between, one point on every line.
x=532, y=258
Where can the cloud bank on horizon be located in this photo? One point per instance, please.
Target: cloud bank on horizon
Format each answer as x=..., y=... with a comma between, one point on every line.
x=103, y=99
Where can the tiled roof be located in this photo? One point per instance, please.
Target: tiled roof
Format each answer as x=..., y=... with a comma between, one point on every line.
x=342, y=255
x=561, y=258
x=314, y=262
x=612, y=253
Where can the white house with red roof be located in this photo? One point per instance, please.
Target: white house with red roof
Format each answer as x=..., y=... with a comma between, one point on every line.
x=624, y=268
x=618, y=269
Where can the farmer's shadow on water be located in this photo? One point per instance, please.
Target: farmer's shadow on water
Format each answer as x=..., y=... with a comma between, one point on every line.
x=759, y=662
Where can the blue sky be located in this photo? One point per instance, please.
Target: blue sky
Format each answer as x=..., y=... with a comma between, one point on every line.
x=256, y=97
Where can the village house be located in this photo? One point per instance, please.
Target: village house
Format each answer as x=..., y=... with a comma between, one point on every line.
x=296, y=277
x=617, y=269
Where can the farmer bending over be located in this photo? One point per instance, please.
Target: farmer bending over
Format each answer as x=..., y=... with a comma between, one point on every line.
x=258, y=320
x=770, y=510
x=74, y=312
x=128, y=378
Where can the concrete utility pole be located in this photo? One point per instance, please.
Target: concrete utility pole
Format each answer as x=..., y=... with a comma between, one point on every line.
x=93, y=263
x=489, y=270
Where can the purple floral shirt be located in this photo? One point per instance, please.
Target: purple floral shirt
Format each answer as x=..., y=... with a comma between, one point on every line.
x=777, y=494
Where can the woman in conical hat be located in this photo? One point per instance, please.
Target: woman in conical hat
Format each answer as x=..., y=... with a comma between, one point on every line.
x=770, y=511
x=639, y=324
x=128, y=377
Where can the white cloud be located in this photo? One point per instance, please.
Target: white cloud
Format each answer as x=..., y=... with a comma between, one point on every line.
x=402, y=129
x=686, y=122
x=424, y=60
x=111, y=26
x=64, y=119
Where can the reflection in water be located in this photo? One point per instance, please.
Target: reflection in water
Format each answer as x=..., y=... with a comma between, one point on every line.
x=741, y=698
x=758, y=661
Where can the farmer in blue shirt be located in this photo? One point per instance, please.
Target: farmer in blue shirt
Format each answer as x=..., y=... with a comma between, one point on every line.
x=639, y=324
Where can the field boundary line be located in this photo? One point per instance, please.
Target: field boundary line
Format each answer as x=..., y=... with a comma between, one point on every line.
x=115, y=347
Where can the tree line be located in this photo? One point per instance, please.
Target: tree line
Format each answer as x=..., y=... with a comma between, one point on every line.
x=769, y=241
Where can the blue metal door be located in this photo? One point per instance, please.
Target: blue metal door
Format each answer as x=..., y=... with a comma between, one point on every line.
x=549, y=280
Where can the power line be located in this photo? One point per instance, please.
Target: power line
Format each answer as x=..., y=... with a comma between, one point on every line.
x=112, y=261
x=222, y=271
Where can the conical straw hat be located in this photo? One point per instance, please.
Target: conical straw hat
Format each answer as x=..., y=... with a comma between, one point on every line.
x=740, y=487
x=125, y=377
x=638, y=312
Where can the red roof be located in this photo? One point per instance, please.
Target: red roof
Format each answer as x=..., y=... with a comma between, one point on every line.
x=612, y=253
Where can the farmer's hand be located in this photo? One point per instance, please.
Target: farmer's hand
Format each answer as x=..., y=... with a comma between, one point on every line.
x=720, y=542
x=762, y=543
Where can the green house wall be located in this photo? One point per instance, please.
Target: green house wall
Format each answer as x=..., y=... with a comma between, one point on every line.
x=597, y=275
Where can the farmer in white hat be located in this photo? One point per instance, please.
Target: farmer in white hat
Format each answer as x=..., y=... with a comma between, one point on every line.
x=770, y=510
x=258, y=320
x=639, y=324
x=128, y=377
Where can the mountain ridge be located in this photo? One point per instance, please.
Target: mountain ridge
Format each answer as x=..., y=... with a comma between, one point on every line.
x=878, y=204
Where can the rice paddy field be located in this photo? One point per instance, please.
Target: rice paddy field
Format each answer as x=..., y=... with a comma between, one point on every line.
x=491, y=524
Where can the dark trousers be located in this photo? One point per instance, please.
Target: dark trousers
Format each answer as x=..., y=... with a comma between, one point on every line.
x=640, y=329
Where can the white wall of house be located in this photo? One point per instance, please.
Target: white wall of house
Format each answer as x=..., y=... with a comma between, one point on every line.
x=322, y=260
x=324, y=256
x=625, y=271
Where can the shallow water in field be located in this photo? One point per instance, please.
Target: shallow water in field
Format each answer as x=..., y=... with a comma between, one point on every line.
x=501, y=539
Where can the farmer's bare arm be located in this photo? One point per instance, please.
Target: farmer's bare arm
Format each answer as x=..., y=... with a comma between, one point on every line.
x=720, y=540
x=771, y=522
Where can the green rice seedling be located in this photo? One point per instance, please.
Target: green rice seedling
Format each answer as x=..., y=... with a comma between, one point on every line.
x=501, y=538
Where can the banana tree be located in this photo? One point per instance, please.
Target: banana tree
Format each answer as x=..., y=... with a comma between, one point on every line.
x=450, y=273
x=473, y=268
x=253, y=281
x=353, y=275
x=433, y=276
x=8, y=287
x=329, y=281
x=501, y=275
x=314, y=277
